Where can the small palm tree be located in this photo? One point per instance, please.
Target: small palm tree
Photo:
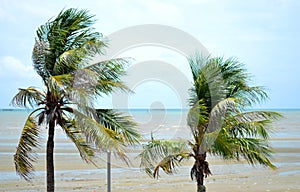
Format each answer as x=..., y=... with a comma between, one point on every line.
x=61, y=55
x=218, y=120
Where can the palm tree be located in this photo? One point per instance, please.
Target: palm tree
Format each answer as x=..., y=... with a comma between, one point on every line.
x=218, y=120
x=61, y=56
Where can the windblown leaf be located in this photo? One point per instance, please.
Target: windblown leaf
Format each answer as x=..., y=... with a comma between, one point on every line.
x=163, y=154
x=25, y=155
x=29, y=97
x=96, y=133
x=109, y=73
x=123, y=125
x=76, y=136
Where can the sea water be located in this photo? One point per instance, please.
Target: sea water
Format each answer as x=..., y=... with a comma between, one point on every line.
x=162, y=124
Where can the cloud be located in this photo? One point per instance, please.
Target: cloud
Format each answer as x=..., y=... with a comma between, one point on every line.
x=12, y=68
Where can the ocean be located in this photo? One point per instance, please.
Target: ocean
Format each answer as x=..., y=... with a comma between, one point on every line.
x=163, y=124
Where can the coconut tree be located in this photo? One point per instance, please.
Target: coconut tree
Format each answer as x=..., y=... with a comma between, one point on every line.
x=220, y=122
x=62, y=54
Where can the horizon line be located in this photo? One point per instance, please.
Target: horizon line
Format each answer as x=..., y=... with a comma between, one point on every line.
x=271, y=108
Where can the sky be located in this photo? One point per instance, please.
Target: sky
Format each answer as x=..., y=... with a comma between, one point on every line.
x=262, y=34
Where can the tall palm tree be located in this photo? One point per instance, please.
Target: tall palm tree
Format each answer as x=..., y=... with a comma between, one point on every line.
x=219, y=122
x=61, y=56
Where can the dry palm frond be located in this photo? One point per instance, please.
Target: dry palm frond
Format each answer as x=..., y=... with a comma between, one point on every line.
x=28, y=97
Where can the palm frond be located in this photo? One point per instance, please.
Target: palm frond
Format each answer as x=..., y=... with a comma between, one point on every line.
x=96, y=133
x=196, y=62
x=109, y=73
x=28, y=97
x=222, y=145
x=197, y=117
x=59, y=86
x=206, y=127
x=208, y=84
x=85, y=79
x=169, y=163
x=237, y=81
x=249, y=95
x=252, y=123
x=83, y=99
x=163, y=154
x=233, y=71
x=60, y=82
x=252, y=149
x=76, y=136
x=66, y=43
x=123, y=125
x=77, y=58
x=40, y=54
x=81, y=89
x=218, y=114
x=25, y=154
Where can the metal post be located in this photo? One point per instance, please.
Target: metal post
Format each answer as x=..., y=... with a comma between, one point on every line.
x=108, y=171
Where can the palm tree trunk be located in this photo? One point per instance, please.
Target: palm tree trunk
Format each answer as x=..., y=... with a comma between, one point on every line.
x=201, y=188
x=50, y=162
x=200, y=179
x=201, y=170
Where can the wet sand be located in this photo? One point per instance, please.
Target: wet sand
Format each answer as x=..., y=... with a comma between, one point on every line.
x=72, y=174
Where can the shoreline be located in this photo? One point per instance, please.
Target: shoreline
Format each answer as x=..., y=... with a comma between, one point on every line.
x=73, y=174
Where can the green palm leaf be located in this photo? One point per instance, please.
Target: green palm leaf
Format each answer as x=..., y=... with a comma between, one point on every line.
x=253, y=150
x=165, y=154
x=120, y=123
x=25, y=154
x=66, y=43
x=40, y=55
x=208, y=84
x=252, y=123
x=109, y=73
x=60, y=82
x=76, y=136
x=96, y=133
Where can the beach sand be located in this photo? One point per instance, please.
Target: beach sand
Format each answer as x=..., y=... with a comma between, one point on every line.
x=72, y=174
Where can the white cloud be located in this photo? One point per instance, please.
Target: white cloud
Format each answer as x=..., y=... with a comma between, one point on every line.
x=11, y=67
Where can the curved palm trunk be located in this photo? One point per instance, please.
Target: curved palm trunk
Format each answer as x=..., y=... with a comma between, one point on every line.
x=50, y=162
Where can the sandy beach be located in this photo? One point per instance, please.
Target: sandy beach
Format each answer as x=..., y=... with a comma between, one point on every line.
x=72, y=174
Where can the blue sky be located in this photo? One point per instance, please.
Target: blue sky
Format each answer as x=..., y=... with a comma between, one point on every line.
x=263, y=34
